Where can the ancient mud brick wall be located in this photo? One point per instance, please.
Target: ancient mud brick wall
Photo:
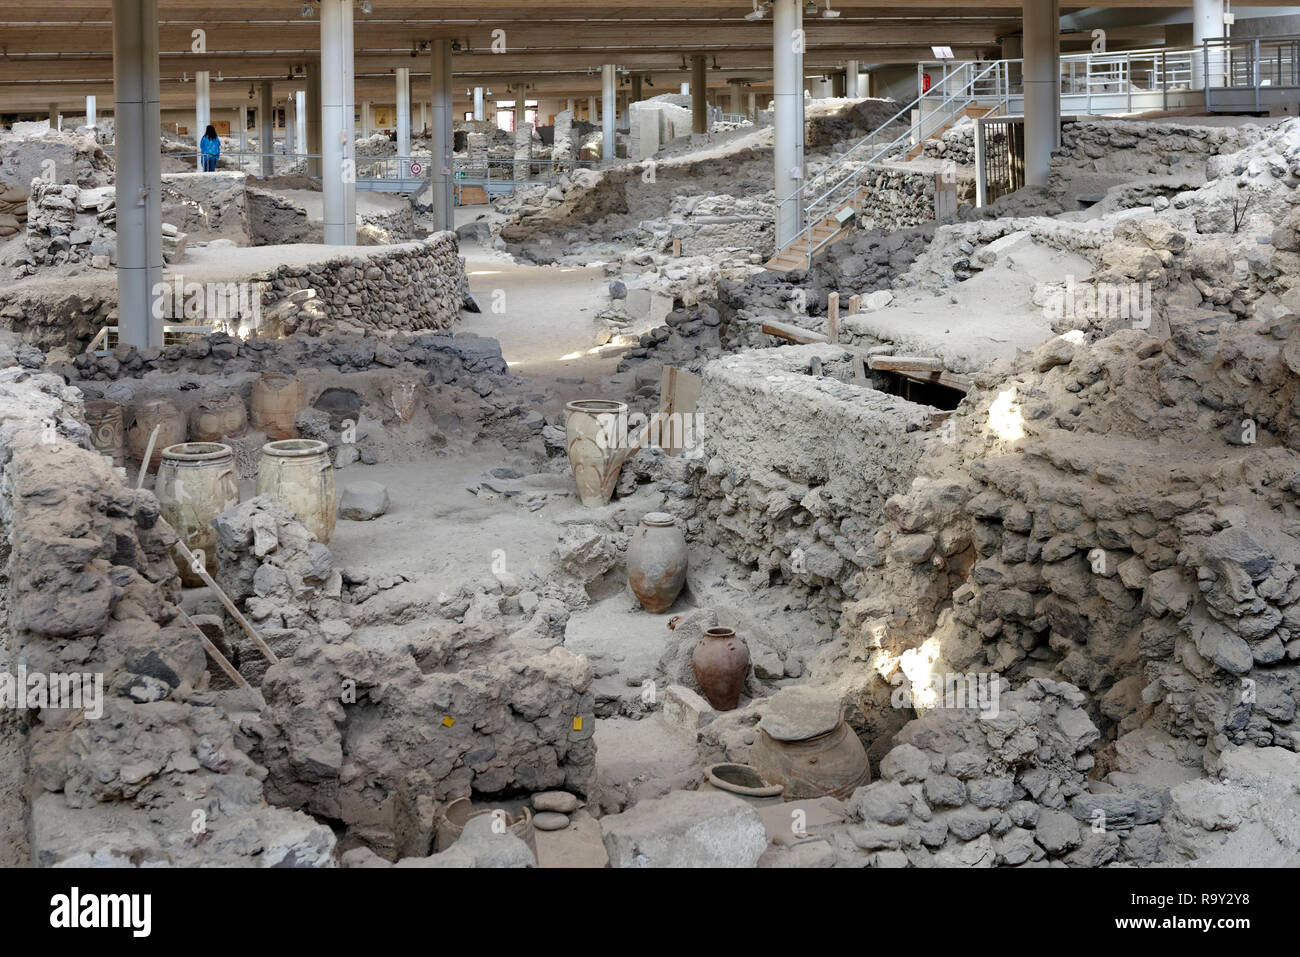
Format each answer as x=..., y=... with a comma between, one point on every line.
x=795, y=468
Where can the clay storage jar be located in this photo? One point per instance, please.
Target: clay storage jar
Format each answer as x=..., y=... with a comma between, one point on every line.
x=805, y=743
x=144, y=416
x=656, y=562
x=219, y=417
x=277, y=400
x=721, y=662
x=196, y=483
x=595, y=447
x=297, y=473
x=107, y=434
x=451, y=824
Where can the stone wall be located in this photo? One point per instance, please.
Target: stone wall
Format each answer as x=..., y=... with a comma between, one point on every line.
x=91, y=589
x=414, y=286
x=896, y=198
x=796, y=468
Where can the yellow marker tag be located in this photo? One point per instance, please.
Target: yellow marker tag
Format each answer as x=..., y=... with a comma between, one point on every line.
x=577, y=723
x=448, y=721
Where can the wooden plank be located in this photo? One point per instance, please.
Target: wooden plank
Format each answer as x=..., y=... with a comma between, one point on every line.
x=794, y=334
x=679, y=395
x=906, y=363
x=199, y=569
x=833, y=317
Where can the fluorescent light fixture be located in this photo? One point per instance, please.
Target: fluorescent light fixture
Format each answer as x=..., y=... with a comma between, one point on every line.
x=942, y=53
x=828, y=13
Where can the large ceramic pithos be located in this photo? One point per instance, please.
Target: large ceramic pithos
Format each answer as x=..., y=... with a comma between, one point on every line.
x=144, y=416
x=277, y=400
x=298, y=474
x=105, y=419
x=721, y=662
x=656, y=562
x=196, y=483
x=219, y=417
x=805, y=743
x=596, y=447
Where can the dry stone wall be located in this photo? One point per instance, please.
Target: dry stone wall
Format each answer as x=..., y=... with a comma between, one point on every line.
x=796, y=467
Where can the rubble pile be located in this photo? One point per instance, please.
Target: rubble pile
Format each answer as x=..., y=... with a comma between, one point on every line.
x=145, y=772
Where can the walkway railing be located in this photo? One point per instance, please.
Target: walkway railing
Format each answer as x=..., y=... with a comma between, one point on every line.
x=1250, y=73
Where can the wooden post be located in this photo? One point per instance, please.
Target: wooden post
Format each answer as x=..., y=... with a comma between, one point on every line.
x=677, y=247
x=215, y=654
x=855, y=305
x=833, y=317
x=225, y=600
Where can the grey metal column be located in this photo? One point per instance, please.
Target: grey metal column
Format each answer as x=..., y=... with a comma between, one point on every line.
x=699, y=96
x=787, y=133
x=136, y=119
x=338, y=123
x=636, y=95
x=404, y=117
x=737, y=96
x=365, y=119
x=54, y=116
x=300, y=120
x=290, y=124
x=313, y=120
x=851, y=79
x=442, y=142
x=591, y=110
x=1207, y=24
x=753, y=107
x=266, y=127
x=202, y=111
x=1042, y=77
x=478, y=104
x=608, y=106
x=91, y=118
x=243, y=128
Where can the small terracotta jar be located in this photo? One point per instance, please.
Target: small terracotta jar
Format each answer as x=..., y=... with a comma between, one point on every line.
x=656, y=562
x=721, y=662
x=171, y=430
x=219, y=417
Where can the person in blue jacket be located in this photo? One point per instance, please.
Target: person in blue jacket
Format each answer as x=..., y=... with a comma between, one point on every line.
x=210, y=148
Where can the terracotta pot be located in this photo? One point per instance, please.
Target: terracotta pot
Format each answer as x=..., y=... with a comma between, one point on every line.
x=805, y=743
x=743, y=781
x=277, y=400
x=196, y=483
x=220, y=417
x=107, y=433
x=596, y=447
x=144, y=416
x=656, y=562
x=297, y=473
x=453, y=818
x=721, y=662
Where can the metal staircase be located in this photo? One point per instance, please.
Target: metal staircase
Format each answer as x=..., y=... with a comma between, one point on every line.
x=832, y=200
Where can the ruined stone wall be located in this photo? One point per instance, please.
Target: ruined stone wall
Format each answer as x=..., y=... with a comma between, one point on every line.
x=896, y=198
x=1139, y=540
x=796, y=469
x=91, y=589
x=413, y=286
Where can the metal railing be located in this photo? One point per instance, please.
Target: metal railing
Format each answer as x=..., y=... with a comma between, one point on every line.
x=1091, y=83
x=1250, y=73
x=833, y=188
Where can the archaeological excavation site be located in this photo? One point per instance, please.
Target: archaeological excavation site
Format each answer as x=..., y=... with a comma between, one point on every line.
x=777, y=434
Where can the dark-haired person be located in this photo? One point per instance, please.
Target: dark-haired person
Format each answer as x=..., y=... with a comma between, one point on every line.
x=210, y=149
